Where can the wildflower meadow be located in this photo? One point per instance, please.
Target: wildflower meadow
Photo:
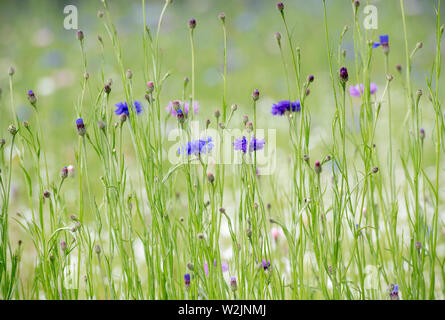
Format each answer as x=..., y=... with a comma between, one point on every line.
x=222, y=150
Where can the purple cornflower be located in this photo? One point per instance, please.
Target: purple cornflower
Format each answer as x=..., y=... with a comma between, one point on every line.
x=384, y=42
x=32, y=97
x=197, y=147
x=255, y=144
x=170, y=108
x=394, y=292
x=266, y=264
x=187, y=280
x=281, y=107
x=344, y=76
x=80, y=127
x=357, y=90
x=122, y=108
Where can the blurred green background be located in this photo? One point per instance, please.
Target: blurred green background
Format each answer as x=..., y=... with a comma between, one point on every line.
x=47, y=58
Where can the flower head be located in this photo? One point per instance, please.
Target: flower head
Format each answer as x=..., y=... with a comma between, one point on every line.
x=394, y=292
x=80, y=127
x=254, y=144
x=122, y=108
x=344, y=76
x=266, y=264
x=233, y=284
x=32, y=97
x=384, y=42
x=357, y=90
x=281, y=107
x=186, y=106
x=197, y=147
x=187, y=280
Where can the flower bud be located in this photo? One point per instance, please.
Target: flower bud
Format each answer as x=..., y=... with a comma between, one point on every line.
x=80, y=35
x=64, y=173
x=12, y=129
x=129, y=74
x=192, y=23
x=150, y=86
x=280, y=6
x=317, y=167
x=255, y=95
x=71, y=171
x=344, y=77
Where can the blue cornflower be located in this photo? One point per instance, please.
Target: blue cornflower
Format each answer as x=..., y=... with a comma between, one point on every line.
x=80, y=127
x=255, y=144
x=197, y=147
x=384, y=42
x=187, y=280
x=394, y=294
x=122, y=107
x=280, y=108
